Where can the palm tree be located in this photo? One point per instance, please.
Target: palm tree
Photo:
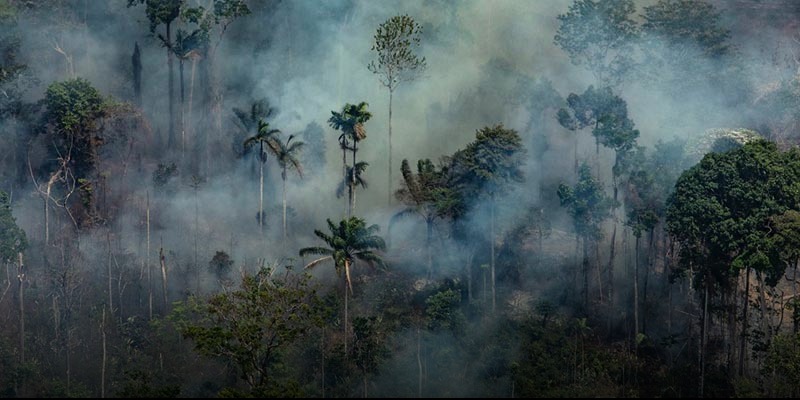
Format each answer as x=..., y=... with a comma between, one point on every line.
x=352, y=240
x=426, y=195
x=264, y=135
x=350, y=121
x=246, y=120
x=286, y=153
x=352, y=178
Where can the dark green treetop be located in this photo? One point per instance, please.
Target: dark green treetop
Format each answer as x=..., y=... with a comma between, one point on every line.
x=721, y=209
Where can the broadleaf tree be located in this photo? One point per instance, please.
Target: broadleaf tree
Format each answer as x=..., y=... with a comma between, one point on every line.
x=395, y=44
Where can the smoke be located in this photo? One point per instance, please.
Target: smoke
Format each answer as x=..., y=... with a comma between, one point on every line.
x=309, y=58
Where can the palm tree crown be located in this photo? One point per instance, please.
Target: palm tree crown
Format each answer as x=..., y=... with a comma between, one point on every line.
x=349, y=241
x=264, y=135
x=287, y=155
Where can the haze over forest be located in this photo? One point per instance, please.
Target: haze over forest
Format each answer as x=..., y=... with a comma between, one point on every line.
x=425, y=198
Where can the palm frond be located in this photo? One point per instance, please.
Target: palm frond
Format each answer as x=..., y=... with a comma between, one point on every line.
x=316, y=262
x=403, y=214
x=323, y=236
x=371, y=259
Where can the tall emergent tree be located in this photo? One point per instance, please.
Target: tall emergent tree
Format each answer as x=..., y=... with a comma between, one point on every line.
x=486, y=167
x=352, y=240
x=264, y=136
x=588, y=206
x=721, y=213
x=599, y=34
x=74, y=108
x=350, y=121
x=164, y=12
x=397, y=62
x=287, y=154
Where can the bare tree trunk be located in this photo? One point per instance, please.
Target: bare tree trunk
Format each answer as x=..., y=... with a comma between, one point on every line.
x=585, y=275
x=189, y=110
x=428, y=246
x=182, y=121
x=469, y=277
x=322, y=352
x=147, y=262
x=419, y=362
x=353, y=177
x=171, y=88
x=110, y=293
x=636, y=293
x=350, y=194
x=163, y=278
x=389, y=181
x=494, y=297
x=21, y=277
x=648, y=267
x=103, y=368
x=346, y=295
x=344, y=178
x=136, y=61
x=702, y=348
x=261, y=196
x=746, y=300
x=47, y=218
x=766, y=318
x=284, y=206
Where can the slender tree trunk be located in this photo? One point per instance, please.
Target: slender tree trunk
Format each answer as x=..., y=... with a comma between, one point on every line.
x=636, y=293
x=21, y=277
x=344, y=178
x=147, y=262
x=284, y=206
x=195, y=166
x=745, y=301
x=346, y=296
x=322, y=353
x=429, y=223
x=350, y=193
x=136, y=60
x=103, y=367
x=494, y=297
x=164, y=278
x=613, y=249
x=575, y=151
x=648, y=267
x=110, y=293
x=419, y=362
x=389, y=181
x=353, y=178
x=469, y=277
x=261, y=195
x=196, y=233
x=703, y=333
x=182, y=121
x=586, y=275
x=47, y=217
x=171, y=88
x=766, y=318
